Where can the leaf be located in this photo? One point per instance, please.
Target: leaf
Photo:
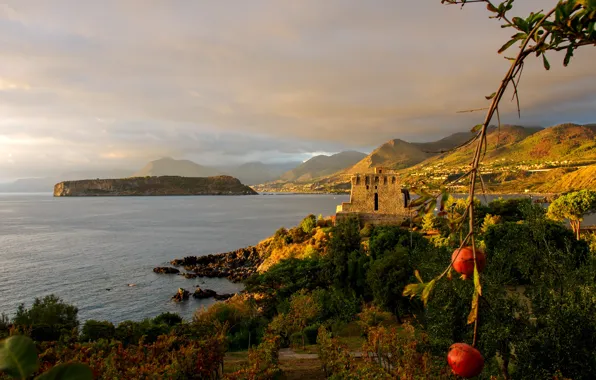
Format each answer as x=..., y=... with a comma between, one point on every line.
x=521, y=24
x=18, y=357
x=545, y=61
x=477, y=286
x=507, y=45
x=68, y=371
x=473, y=316
x=427, y=290
x=491, y=96
x=568, y=56
x=417, y=274
x=477, y=127
x=492, y=8
x=413, y=290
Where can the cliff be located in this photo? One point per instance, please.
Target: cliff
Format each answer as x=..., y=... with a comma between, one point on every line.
x=166, y=185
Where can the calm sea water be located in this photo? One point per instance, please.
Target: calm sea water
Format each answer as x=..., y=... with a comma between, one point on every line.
x=77, y=248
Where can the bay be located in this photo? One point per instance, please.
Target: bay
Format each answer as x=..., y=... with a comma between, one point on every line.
x=88, y=250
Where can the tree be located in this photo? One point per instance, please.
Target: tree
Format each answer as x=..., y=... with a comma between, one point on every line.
x=48, y=318
x=304, y=308
x=386, y=278
x=573, y=207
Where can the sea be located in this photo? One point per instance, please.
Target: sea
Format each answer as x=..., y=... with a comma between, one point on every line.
x=98, y=252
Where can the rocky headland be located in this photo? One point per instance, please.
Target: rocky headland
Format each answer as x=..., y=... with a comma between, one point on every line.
x=147, y=186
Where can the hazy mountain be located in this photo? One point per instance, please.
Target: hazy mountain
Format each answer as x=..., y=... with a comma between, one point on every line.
x=170, y=166
x=46, y=184
x=253, y=173
x=322, y=165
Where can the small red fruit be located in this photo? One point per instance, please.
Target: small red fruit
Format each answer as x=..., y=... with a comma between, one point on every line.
x=465, y=360
x=463, y=261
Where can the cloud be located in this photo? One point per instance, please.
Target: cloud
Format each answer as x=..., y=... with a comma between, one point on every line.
x=121, y=82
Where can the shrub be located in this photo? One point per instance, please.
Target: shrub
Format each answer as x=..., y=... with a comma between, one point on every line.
x=308, y=224
x=4, y=325
x=387, y=277
x=366, y=231
x=337, y=304
x=590, y=238
x=170, y=319
x=510, y=210
x=48, y=318
x=94, y=330
x=310, y=333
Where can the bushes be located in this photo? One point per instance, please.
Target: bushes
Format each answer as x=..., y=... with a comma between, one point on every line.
x=48, y=318
x=170, y=319
x=387, y=277
x=94, y=330
x=308, y=224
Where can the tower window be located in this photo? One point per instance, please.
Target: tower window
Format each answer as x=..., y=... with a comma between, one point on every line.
x=376, y=202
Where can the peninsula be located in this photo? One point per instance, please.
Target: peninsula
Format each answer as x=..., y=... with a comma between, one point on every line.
x=153, y=186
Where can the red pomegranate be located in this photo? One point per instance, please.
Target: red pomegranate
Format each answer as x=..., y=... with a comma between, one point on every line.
x=465, y=360
x=463, y=261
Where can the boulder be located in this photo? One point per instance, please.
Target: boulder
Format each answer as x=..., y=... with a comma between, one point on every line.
x=182, y=295
x=223, y=297
x=166, y=270
x=189, y=275
x=202, y=294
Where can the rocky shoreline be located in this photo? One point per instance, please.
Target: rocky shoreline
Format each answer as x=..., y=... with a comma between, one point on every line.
x=236, y=266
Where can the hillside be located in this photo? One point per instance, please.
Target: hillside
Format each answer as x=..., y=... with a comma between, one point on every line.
x=322, y=165
x=171, y=167
x=395, y=154
x=499, y=142
x=562, y=142
x=145, y=186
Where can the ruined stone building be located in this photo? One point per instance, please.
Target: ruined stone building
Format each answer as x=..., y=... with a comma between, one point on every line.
x=376, y=198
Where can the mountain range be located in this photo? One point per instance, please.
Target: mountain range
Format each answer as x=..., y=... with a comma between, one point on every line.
x=544, y=159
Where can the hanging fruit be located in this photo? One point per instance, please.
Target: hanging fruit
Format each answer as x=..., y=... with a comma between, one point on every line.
x=463, y=261
x=465, y=360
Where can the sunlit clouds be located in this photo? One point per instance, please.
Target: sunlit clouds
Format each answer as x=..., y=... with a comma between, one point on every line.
x=88, y=84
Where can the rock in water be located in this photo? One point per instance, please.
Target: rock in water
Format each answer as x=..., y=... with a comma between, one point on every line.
x=223, y=297
x=166, y=270
x=202, y=294
x=182, y=295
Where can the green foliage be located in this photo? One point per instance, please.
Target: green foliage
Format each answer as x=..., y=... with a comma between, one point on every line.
x=130, y=332
x=519, y=252
x=170, y=319
x=387, y=278
x=74, y=371
x=509, y=210
x=337, y=304
x=345, y=239
x=48, y=318
x=4, y=325
x=589, y=238
x=310, y=333
x=286, y=278
x=573, y=207
x=308, y=224
x=18, y=359
x=428, y=222
x=366, y=231
x=95, y=330
x=490, y=220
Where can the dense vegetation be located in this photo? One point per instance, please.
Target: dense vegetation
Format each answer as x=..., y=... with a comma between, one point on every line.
x=538, y=319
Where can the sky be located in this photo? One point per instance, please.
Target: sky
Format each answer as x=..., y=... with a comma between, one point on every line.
x=117, y=83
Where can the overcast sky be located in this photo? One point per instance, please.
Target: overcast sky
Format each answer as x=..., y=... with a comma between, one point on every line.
x=116, y=83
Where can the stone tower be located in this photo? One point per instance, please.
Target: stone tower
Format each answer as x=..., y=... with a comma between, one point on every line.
x=376, y=198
